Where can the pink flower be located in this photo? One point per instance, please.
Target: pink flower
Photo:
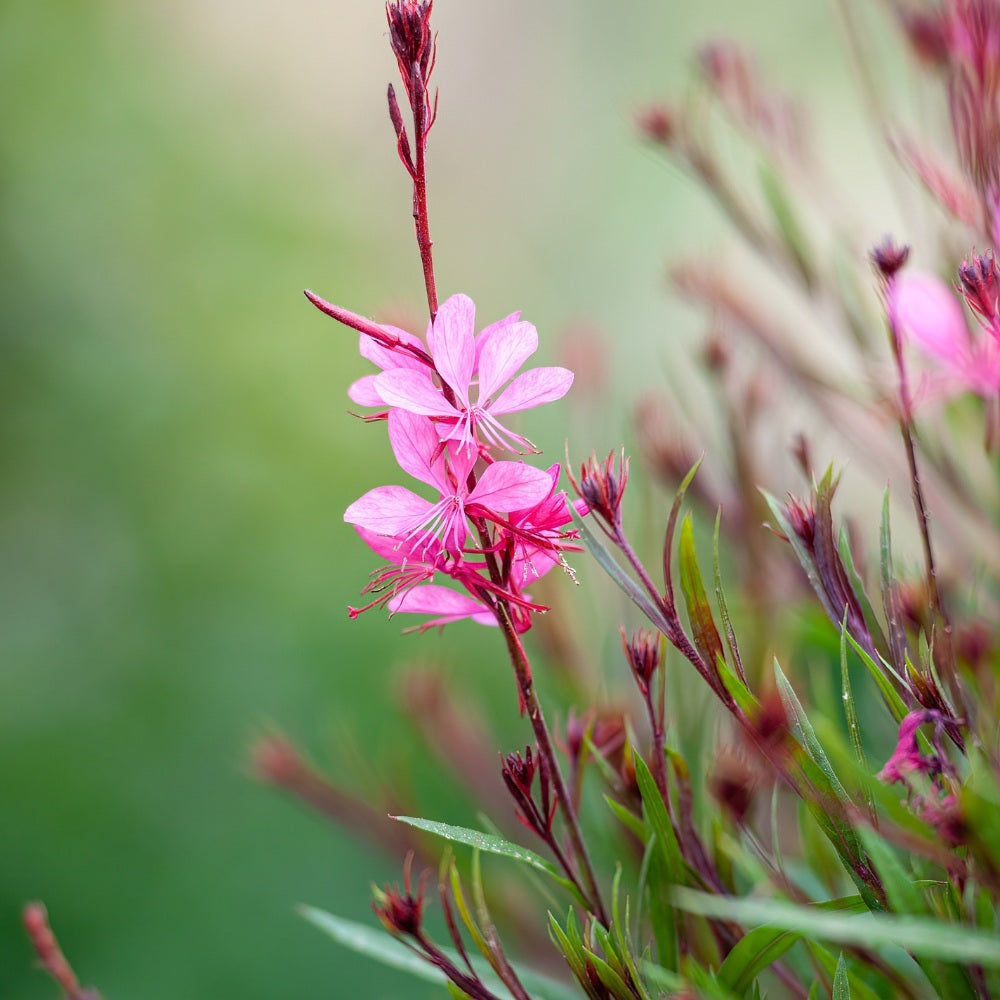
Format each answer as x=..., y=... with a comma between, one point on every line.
x=397, y=511
x=448, y=605
x=924, y=311
x=363, y=391
x=485, y=364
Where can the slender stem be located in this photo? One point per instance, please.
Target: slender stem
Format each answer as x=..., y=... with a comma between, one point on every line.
x=938, y=615
x=529, y=696
x=420, y=218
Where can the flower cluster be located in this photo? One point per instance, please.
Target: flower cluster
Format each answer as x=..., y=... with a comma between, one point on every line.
x=493, y=525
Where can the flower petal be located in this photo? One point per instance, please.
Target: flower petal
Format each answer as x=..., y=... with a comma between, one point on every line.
x=384, y=358
x=453, y=345
x=533, y=388
x=503, y=354
x=364, y=393
x=388, y=510
x=506, y=486
x=488, y=332
x=413, y=391
x=415, y=444
x=431, y=599
x=925, y=311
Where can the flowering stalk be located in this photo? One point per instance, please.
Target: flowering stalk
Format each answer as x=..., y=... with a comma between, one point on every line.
x=415, y=48
x=533, y=708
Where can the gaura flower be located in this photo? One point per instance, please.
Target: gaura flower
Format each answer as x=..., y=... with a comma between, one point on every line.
x=397, y=511
x=924, y=311
x=475, y=369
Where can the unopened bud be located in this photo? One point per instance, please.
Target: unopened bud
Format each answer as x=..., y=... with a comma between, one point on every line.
x=980, y=284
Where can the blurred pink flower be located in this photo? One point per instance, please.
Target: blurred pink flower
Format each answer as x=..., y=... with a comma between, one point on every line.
x=925, y=312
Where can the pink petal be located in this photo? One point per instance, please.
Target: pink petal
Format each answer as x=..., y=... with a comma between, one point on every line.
x=926, y=311
x=503, y=354
x=364, y=393
x=413, y=391
x=415, y=444
x=532, y=388
x=384, y=358
x=506, y=486
x=430, y=599
x=453, y=345
x=388, y=510
x=486, y=334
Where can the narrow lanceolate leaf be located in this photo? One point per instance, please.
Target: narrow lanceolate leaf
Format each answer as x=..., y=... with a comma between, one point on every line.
x=752, y=955
x=668, y=537
x=665, y=866
x=805, y=732
x=492, y=845
x=858, y=586
x=785, y=218
x=920, y=935
x=859, y=989
x=705, y=634
x=659, y=821
x=720, y=599
x=851, y=714
x=376, y=943
x=607, y=562
x=841, y=985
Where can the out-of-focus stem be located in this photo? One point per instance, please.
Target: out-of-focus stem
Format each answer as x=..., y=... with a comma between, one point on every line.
x=938, y=614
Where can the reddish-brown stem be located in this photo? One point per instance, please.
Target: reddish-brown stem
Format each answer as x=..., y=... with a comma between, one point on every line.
x=435, y=956
x=420, y=218
x=543, y=739
x=938, y=615
x=675, y=633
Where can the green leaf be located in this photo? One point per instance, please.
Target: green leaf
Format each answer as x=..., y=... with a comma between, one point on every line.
x=879, y=671
x=376, y=943
x=859, y=988
x=653, y=882
x=805, y=731
x=607, y=562
x=627, y=818
x=720, y=600
x=753, y=953
x=850, y=711
x=705, y=634
x=858, y=586
x=841, y=987
x=668, y=535
x=919, y=935
x=901, y=894
x=610, y=978
x=659, y=821
x=492, y=845
x=785, y=218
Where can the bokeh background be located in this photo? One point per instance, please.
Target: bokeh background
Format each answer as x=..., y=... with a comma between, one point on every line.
x=176, y=453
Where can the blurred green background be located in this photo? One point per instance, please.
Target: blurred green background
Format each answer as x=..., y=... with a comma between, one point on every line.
x=176, y=453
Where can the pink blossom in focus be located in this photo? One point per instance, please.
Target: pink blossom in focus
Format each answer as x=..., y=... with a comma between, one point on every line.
x=363, y=391
x=397, y=511
x=447, y=605
x=475, y=370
